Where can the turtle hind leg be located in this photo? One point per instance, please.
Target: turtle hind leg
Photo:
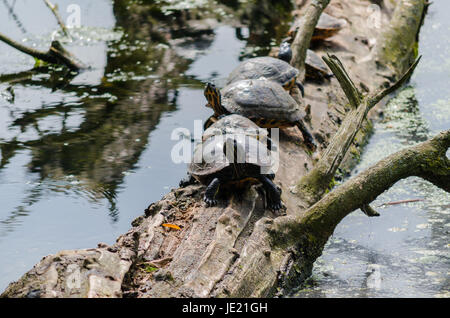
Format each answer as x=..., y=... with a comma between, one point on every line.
x=211, y=191
x=273, y=193
x=309, y=140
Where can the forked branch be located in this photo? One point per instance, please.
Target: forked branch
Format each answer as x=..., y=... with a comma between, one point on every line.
x=427, y=160
x=312, y=186
x=57, y=54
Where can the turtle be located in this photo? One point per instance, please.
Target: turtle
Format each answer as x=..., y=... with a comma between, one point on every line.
x=326, y=27
x=226, y=156
x=269, y=68
x=263, y=101
x=315, y=68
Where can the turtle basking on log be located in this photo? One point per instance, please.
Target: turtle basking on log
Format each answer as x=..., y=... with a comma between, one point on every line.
x=232, y=153
x=315, y=67
x=263, y=101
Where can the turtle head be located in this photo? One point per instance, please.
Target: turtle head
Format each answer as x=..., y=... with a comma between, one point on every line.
x=214, y=99
x=233, y=150
x=285, y=52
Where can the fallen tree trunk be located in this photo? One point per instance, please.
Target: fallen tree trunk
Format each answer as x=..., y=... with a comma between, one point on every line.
x=239, y=249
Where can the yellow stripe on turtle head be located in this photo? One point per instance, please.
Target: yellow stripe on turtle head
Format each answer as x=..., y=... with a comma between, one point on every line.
x=290, y=85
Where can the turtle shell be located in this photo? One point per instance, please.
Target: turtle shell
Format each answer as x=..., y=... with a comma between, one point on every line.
x=315, y=64
x=209, y=158
x=231, y=124
x=326, y=27
x=264, y=67
x=328, y=22
x=261, y=99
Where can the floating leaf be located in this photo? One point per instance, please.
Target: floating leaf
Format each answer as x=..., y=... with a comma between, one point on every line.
x=172, y=226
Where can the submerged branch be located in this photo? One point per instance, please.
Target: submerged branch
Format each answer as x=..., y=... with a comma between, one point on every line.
x=57, y=54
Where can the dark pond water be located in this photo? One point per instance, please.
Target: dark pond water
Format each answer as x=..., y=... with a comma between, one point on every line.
x=83, y=155
x=405, y=252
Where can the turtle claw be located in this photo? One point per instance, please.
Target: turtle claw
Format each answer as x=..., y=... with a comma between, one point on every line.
x=311, y=145
x=187, y=181
x=276, y=207
x=210, y=202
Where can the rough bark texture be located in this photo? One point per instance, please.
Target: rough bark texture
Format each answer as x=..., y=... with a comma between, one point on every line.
x=240, y=249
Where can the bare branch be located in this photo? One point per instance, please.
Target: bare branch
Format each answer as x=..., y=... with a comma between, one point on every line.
x=379, y=96
x=54, y=9
x=305, y=31
x=57, y=54
x=369, y=211
x=347, y=85
x=312, y=186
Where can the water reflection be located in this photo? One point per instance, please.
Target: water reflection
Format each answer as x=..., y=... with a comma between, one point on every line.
x=113, y=119
x=263, y=29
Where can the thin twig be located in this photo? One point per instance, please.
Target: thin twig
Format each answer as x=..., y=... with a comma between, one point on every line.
x=400, y=202
x=54, y=8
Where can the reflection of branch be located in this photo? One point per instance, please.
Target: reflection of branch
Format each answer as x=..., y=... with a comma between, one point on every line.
x=12, y=221
x=14, y=16
x=54, y=8
x=57, y=54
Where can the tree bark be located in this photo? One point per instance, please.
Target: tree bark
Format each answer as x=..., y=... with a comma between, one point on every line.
x=54, y=9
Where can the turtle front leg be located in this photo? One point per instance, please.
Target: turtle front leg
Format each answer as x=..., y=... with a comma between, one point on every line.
x=211, y=120
x=211, y=192
x=309, y=140
x=187, y=181
x=301, y=88
x=273, y=193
